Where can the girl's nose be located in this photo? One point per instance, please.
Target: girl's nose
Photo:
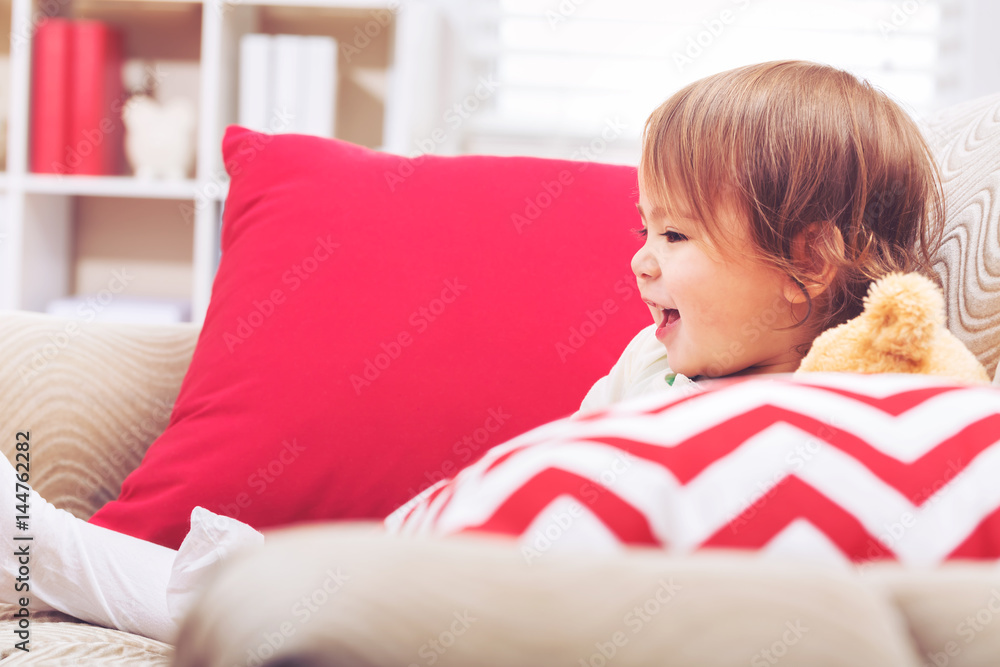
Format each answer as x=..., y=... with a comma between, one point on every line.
x=644, y=265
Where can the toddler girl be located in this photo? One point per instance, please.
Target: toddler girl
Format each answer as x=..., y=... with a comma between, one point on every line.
x=770, y=197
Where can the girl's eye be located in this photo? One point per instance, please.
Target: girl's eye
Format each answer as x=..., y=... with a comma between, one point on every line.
x=673, y=237
x=641, y=232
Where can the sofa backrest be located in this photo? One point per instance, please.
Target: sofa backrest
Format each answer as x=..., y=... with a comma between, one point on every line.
x=966, y=140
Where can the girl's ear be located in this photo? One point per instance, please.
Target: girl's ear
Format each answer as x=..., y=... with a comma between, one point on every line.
x=817, y=251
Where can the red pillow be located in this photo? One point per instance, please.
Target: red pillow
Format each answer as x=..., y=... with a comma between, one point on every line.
x=378, y=322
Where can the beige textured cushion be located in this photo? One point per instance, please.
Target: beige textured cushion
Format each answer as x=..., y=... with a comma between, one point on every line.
x=58, y=639
x=953, y=611
x=93, y=396
x=343, y=596
x=966, y=140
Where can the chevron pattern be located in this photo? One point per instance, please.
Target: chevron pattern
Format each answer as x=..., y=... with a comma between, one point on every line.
x=840, y=467
x=966, y=141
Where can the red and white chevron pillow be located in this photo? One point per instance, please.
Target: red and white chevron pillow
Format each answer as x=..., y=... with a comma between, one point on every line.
x=855, y=467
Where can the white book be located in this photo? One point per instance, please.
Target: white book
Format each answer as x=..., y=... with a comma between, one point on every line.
x=255, y=63
x=285, y=109
x=318, y=86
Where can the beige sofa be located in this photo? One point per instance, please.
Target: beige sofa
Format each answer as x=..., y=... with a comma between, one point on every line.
x=93, y=399
x=94, y=396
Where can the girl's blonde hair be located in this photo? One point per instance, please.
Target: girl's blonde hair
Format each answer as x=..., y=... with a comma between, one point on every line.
x=800, y=150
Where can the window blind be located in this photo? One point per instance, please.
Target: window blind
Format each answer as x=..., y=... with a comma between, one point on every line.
x=569, y=69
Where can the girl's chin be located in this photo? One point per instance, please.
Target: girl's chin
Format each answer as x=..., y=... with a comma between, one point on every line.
x=678, y=365
x=689, y=369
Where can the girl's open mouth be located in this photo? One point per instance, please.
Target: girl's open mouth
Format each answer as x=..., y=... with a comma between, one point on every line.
x=669, y=321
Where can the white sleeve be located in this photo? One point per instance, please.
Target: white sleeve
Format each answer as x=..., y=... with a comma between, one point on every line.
x=614, y=386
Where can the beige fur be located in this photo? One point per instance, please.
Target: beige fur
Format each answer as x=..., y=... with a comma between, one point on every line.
x=902, y=330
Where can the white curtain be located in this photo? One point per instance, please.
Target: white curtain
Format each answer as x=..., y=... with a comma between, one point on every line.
x=570, y=69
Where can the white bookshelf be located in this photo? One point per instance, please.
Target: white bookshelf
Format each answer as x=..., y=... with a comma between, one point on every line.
x=60, y=234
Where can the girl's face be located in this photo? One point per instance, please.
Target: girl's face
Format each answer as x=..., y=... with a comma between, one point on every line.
x=716, y=314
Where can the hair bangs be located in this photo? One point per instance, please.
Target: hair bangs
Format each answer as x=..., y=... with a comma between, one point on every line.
x=683, y=170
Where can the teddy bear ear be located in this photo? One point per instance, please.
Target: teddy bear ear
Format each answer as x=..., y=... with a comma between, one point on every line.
x=904, y=310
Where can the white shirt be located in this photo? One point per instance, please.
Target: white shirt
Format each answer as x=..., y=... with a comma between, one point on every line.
x=641, y=370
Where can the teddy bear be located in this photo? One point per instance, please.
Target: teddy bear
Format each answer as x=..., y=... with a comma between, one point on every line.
x=901, y=330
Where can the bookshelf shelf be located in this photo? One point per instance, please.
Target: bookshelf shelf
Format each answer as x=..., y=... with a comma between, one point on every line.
x=125, y=10
x=356, y=5
x=110, y=186
x=61, y=232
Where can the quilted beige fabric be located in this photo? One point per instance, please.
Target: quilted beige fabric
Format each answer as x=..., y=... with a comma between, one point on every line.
x=58, y=639
x=966, y=140
x=93, y=398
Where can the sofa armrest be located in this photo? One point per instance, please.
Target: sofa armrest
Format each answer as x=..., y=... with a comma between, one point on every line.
x=93, y=397
x=950, y=609
x=340, y=595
